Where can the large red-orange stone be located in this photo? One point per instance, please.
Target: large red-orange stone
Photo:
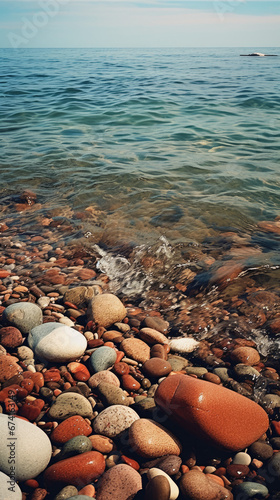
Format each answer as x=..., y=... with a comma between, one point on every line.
x=222, y=417
x=78, y=471
x=69, y=428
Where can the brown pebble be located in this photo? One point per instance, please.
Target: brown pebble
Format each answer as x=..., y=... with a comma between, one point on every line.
x=212, y=377
x=158, y=351
x=237, y=471
x=10, y=337
x=246, y=355
x=158, y=488
x=156, y=367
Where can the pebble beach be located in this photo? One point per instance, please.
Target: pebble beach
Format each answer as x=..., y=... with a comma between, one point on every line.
x=170, y=393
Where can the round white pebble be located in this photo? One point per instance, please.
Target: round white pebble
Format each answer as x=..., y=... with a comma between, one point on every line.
x=241, y=458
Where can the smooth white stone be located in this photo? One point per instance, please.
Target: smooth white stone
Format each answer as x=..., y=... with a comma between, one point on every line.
x=57, y=343
x=32, y=448
x=183, y=345
x=9, y=489
x=241, y=458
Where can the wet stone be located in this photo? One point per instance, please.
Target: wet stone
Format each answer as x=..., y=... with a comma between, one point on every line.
x=156, y=367
x=104, y=357
x=178, y=363
x=250, y=489
x=10, y=337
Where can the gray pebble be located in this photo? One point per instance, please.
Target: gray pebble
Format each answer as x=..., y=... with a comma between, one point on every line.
x=23, y=315
x=66, y=493
x=102, y=358
x=222, y=373
x=81, y=497
x=260, y=450
x=199, y=371
x=244, y=371
x=178, y=363
x=75, y=446
x=68, y=404
x=112, y=395
x=249, y=489
x=271, y=401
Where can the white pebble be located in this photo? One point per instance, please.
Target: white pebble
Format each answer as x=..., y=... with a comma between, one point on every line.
x=66, y=321
x=209, y=469
x=241, y=458
x=183, y=345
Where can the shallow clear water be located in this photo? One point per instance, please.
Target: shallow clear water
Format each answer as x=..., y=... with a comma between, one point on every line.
x=181, y=143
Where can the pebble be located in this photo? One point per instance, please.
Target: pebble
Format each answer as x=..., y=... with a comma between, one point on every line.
x=69, y=404
x=158, y=351
x=249, y=489
x=241, y=458
x=9, y=489
x=194, y=485
x=112, y=395
x=119, y=482
x=10, y=337
x=212, y=411
x=150, y=439
x=79, y=296
x=237, y=471
x=8, y=367
x=102, y=358
x=184, y=345
x=271, y=401
x=129, y=383
x=245, y=355
x=222, y=373
x=156, y=367
x=158, y=488
x=271, y=470
x=32, y=448
x=23, y=315
x=101, y=443
x=78, y=471
x=260, y=450
x=244, y=371
x=69, y=428
x=170, y=464
x=136, y=349
x=24, y=352
x=152, y=336
x=66, y=493
x=56, y=343
x=178, y=363
x=199, y=371
x=174, y=490
x=80, y=497
x=75, y=446
x=114, y=420
x=103, y=376
x=106, y=309
x=156, y=323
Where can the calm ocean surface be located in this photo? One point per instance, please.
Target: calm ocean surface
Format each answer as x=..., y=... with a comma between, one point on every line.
x=180, y=143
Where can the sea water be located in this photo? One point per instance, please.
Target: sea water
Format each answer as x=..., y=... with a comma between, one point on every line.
x=159, y=147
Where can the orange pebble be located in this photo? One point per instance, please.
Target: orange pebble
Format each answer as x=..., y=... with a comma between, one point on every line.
x=32, y=483
x=184, y=469
x=88, y=490
x=216, y=479
x=109, y=344
x=120, y=355
x=56, y=392
x=27, y=384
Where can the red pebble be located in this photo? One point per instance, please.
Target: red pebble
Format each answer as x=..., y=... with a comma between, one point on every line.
x=88, y=490
x=27, y=384
x=79, y=371
x=10, y=406
x=79, y=470
x=131, y=462
x=69, y=428
x=52, y=375
x=121, y=368
x=276, y=427
x=13, y=391
x=31, y=483
x=32, y=409
x=130, y=384
x=70, y=305
x=4, y=273
x=37, y=378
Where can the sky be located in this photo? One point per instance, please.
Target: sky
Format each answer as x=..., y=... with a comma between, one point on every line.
x=139, y=23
